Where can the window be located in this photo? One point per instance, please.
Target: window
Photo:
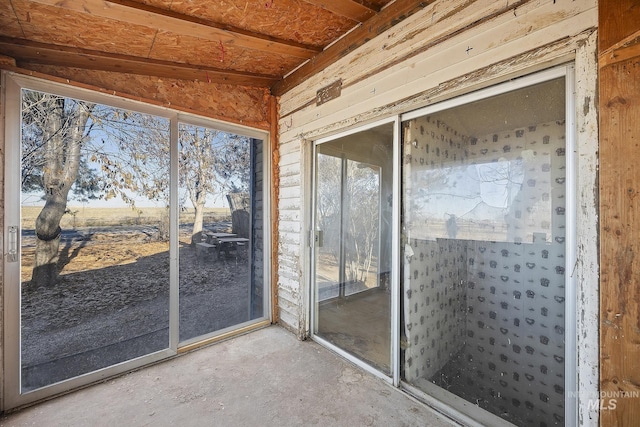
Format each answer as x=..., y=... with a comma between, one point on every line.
x=484, y=236
x=136, y=230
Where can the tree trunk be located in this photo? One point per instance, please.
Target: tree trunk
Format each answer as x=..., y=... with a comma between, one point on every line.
x=45, y=270
x=63, y=136
x=196, y=234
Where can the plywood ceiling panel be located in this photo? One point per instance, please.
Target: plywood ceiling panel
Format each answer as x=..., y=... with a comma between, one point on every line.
x=8, y=19
x=52, y=25
x=293, y=20
x=191, y=50
x=245, y=105
x=257, y=42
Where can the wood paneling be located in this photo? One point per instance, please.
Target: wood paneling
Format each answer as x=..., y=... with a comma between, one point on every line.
x=620, y=239
x=235, y=104
x=396, y=12
x=619, y=101
x=26, y=52
x=135, y=13
x=500, y=43
x=619, y=19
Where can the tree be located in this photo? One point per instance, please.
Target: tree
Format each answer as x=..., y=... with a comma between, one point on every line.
x=72, y=149
x=57, y=128
x=348, y=205
x=362, y=219
x=65, y=156
x=211, y=161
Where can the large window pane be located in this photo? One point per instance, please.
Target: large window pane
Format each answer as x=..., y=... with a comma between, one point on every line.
x=353, y=244
x=94, y=241
x=483, y=250
x=221, y=233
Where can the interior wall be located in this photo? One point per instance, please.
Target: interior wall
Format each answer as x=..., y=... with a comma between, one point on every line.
x=434, y=306
x=516, y=287
x=435, y=266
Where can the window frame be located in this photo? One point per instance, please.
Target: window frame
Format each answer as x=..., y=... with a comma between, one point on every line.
x=462, y=410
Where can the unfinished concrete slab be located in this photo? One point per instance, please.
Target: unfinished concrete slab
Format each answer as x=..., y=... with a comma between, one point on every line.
x=266, y=378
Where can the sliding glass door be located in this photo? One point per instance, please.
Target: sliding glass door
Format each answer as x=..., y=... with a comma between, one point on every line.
x=94, y=277
x=486, y=237
x=130, y=232
x=352, y=241
x=220, y=230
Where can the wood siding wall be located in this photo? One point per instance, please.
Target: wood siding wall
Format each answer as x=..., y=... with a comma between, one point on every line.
x=450, y=48
x=619, y=61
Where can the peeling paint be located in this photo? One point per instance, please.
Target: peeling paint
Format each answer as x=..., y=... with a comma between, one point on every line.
x=586, y=106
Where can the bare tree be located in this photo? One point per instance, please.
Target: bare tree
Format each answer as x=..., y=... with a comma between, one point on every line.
x=348, y=213
x=72, y=149
x=363, y=220
x=56, y=128
x=211, y=161
x=65, y=156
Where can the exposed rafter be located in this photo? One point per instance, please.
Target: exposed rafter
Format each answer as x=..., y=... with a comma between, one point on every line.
x=347, y=8
x=26, y=52
x=141, y=14
x=385, y=19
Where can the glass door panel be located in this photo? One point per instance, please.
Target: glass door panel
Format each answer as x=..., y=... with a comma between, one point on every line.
x=483, y=217
x=328, y=232
x=361, y=219
x=94, y=242
x=221, y=232
x=128, y=234
x=351, y=285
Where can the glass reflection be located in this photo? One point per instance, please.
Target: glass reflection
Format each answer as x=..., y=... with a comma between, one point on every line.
x=483, y=275
x=353, y=244
x=221, y=250
x=94, y=240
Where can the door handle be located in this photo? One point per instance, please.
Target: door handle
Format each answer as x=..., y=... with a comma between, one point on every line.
x=12, y=250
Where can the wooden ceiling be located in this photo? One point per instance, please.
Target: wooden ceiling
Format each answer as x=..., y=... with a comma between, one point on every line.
x=272, y=44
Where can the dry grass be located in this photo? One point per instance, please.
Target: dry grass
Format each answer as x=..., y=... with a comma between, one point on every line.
x=80, y=216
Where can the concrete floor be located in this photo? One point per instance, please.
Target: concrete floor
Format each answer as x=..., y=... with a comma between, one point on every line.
x=265, y=378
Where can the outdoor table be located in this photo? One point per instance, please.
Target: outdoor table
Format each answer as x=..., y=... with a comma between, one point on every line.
x=229, y=244
x=220, y=235
x=213, y=238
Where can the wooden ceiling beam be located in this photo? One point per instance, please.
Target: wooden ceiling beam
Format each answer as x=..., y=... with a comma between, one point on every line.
x=27, y=52
x=348, y=8
x=385, y=19
x=136, y=13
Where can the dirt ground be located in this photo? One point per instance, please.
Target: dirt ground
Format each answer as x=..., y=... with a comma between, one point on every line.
x=112, y=301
